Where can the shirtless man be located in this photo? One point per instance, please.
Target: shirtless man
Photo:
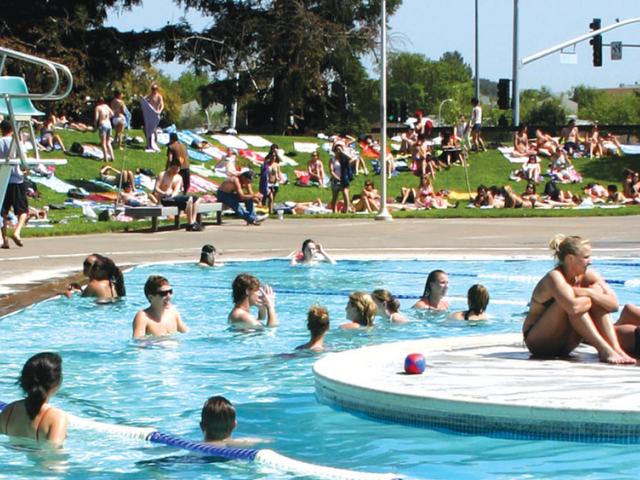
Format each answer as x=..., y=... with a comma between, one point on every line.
x=161, y=317
x=168, y=191
x=247, y=293
x=157, y=103
x=119, y=121
x=178, y=151
x=571, y=137
x=237, y=194
x=102, y=121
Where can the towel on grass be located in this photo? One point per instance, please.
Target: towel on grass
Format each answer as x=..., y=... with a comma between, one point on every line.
x=305, y=147
x=255, y=140
x=507, y=152
x=198, y=155
x=214, y=152
x=202, y=185
x=54, y=183
x=230, y=141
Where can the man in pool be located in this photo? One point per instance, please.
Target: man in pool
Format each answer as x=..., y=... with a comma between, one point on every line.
x=247, y=293
x=217, y=422
x=161, y=318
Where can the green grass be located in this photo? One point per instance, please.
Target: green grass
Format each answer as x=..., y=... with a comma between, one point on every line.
x=489, y=168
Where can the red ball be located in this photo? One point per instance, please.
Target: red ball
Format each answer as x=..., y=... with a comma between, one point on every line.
x=414, y=364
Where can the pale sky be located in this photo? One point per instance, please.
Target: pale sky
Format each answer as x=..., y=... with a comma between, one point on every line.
x=432, y=27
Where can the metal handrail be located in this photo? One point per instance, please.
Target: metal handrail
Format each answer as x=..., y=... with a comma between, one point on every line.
x=52, y=67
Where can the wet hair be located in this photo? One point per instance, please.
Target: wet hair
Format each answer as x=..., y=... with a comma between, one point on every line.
x=241, y=284
x=305, y=244
x=40, y=375
x=387, y=299
x=477, y=299
x=218, y=418
x=207, y=254
x=365, y=306
x=105, y=269
x=317, y=320
x=89, y=261
x=561, y=245
x=153, y=284
x=431, y=278
x=5, y=127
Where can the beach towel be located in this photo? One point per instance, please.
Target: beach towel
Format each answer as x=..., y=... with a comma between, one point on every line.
x=368, y=151
x=198, y=155
x=145, y=181
x=151, y=119
x=630, y=149
x=54, y=183
x=305, y=147
x=201, y=170
x=326, y=146
x=214, y=152
x=194, y=136
x=202, y=185
x=286, y=161
x=231, y=141
x=507, y=152
x=255, y=140
x=254, y=157
x=88, y=150
x=163, y=138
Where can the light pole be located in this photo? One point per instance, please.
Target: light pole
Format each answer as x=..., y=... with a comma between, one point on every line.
x=440, y=110
x=477, y=88
x=383, y=214
x=515, y=94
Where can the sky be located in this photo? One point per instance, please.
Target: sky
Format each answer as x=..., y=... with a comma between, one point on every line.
x=432, y=27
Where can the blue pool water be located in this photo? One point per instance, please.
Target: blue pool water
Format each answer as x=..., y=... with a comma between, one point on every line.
x=109, y=378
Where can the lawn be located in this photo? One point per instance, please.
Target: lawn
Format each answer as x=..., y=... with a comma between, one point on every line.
x=489, y=168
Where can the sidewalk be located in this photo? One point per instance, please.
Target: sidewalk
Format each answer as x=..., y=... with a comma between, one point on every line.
x=43, y=260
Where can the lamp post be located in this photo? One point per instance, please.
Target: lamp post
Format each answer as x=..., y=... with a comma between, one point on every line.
x=440, y=110
x=383, y=214
x=477, y=82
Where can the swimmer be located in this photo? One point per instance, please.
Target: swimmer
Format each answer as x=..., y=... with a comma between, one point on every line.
x=628, y=330
x=218, y=421
x=477, y=300
x=360, y=311
x=388, y=306
x=571, y=304
x=310, y=254
x=86, y=268
x=247, y=293
x=435, y=289
x=106, y=281
x=317, y=324
x=161, y=317
x=208, y=257
x=34, y=417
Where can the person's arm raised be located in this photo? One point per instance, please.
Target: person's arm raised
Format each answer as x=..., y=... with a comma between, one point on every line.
x=269, y=304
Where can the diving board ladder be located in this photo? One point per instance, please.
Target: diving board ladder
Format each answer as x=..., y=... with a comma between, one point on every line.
x=16, y=106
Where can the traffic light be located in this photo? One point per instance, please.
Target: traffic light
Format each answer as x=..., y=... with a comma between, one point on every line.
x=404, y=112
x=392, y=111
x=596, y=43
x=504, y=100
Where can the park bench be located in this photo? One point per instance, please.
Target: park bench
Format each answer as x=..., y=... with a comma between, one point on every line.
x=155, y=211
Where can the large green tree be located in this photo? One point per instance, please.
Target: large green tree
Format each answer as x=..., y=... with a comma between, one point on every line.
x=298, y=55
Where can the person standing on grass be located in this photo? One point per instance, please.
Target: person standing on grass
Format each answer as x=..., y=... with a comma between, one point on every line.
x=102, y=121
x=475, y=123
x=178, y=151
x=16, y=195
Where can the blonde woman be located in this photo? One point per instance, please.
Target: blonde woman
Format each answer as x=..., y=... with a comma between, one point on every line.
x=571, y=304
x=360, y=311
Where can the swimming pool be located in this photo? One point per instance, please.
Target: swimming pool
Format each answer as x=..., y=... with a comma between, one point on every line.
x=109, y=378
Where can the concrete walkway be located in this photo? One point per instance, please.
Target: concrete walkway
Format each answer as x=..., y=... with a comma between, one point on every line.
x=45, y=259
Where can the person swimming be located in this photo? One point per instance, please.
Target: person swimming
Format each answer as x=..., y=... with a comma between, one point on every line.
x=361, y=310
x=477, y=301
x=318, y=325
x=571, y=304
x=208, y=256
x=248, y=292
x=388, y=306
x=310, y=254
x=435, y=289
x=34, y=417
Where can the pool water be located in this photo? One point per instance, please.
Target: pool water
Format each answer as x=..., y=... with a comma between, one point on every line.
x=109, y=378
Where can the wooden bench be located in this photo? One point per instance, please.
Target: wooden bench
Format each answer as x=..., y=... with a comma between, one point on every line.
x=155, y=211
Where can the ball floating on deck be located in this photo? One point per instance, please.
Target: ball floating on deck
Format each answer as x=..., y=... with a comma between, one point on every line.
x=414, y=364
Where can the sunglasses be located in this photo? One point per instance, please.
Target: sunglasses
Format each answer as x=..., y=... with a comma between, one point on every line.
x=164, y=293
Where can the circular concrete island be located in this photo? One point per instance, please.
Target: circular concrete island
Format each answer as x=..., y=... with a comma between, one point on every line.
x=487, y=385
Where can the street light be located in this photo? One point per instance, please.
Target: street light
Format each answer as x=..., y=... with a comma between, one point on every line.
x=440, y=109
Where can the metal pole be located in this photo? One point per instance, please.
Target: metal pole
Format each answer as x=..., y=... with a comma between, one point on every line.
x=477, y=89
x=383, y=214
x=234, y=106
x=515, y=94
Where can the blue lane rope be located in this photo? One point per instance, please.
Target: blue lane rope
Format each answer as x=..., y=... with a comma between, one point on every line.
x=248, y=454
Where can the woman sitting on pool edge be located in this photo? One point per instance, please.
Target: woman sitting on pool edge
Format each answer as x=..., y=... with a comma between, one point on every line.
x=361, y=309
x=477, y=300
x=310, y=254
x=248, y=292
x=571, y=304
x=34, y=417
x=388, y=306
x=435, y=289
x=318, y=325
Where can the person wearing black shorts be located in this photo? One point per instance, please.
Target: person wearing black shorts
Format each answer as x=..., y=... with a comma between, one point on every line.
x=16, y=196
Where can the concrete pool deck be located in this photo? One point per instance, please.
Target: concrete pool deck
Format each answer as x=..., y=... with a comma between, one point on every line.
x=487, y=385
x=46, y=259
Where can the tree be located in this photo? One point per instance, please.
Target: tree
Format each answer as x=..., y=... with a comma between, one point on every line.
x=298, y=52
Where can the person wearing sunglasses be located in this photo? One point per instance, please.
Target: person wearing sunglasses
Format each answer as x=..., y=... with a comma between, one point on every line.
x=161, y=318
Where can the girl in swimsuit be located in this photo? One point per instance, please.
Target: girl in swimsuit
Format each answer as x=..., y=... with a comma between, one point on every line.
x=572, y=304
x=106, y=281
x=34, y=417
x=477, y=300
x=361, y=309
x=435, y=289
x=388, y=306
x=310, y=254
